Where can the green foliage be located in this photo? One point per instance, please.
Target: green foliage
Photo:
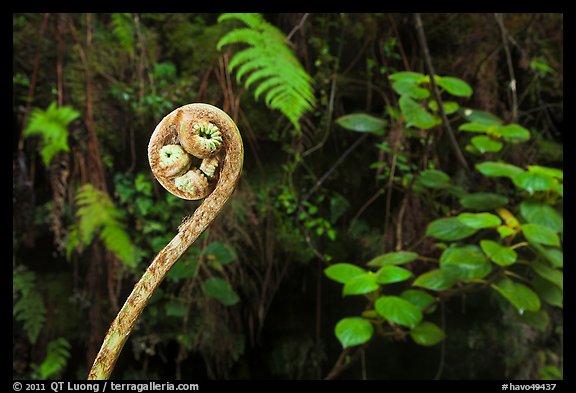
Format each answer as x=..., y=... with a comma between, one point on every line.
x=482, y=260
x=361, y=122
x=393, y=258
x=450, y=229
x=29, y=305
x=57, y=354
x=427, y=334
x=353, y=331
x=219, y=289
x=270, y=63
x=123, y=29
x=52, y=125
x=97, y=215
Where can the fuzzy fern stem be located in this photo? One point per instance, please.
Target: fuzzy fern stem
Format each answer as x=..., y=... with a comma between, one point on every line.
x=190, y=229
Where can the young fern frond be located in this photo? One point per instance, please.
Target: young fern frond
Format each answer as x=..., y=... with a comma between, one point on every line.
x=51, y=125
x=98, y=215
x=270, y=64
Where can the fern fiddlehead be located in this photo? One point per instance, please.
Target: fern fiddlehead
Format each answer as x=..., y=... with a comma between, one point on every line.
x=214, y=178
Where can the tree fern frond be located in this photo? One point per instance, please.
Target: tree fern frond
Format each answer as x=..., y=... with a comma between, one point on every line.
x=269, y=63
x=97, y=215
x=51, y=124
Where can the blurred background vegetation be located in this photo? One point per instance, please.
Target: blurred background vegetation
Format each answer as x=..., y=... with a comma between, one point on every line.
x=250, y=299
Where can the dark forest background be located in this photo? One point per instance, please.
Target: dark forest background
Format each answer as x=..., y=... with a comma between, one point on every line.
x=88, y=216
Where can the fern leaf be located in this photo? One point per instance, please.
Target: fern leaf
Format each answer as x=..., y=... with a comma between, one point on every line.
x=29, y=306
x=269, y=63
x=58, y=352
x=97, y=215
x=123, y=29
x=251, y=19
x=51, y=124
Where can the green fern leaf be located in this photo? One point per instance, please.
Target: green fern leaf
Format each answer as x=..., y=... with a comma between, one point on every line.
x=57, y=354
x=123, y=29
x=97, y=215
x=269, y=63
x=29, y=306
x=51, y=125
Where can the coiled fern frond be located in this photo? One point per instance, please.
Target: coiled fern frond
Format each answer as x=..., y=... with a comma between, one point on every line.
x=270, y=65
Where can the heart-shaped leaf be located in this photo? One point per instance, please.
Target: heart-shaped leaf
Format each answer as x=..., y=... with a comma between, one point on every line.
x=343, y=272
x=353, y=331
x=499, y=254
x=427, y=334
x=397, y=310
x=393, y=258
x=449, y=229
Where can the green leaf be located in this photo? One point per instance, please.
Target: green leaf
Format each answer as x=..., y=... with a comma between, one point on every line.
x=393, y=258
x=362, y=122
x=269, y=60
x=533, y=181
x=537, y=319
x=392, y=274
x=480, y=117
x=475, y=127
x=420, y=299
x=540, y=234
x=498, y=169
x=547, y=272
x=505, y=231
x=433, y=178
x=219, y=289
x=552, y=172
x=97, y=214
x=175, y=309
x=57, y=354
x=427, y=334
x=485, y=144
x=410, y=88
x=513, y=133
x=551, y=254
x=436, y=279
x=449, y=107
x=360, y=285
x=522, y=297
x=479, y=220
x=483, y=201
x=52, y=125
x=449, y=229
x=456, y=87
x=466, y=262
x=499, y=254
x=542, y=214
x=549, y=292
x=413, y=77
x=185, y=268
x=397, y=310
x=415, y=114
x=343, y=272
x=353, y=331
x=220, y=253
